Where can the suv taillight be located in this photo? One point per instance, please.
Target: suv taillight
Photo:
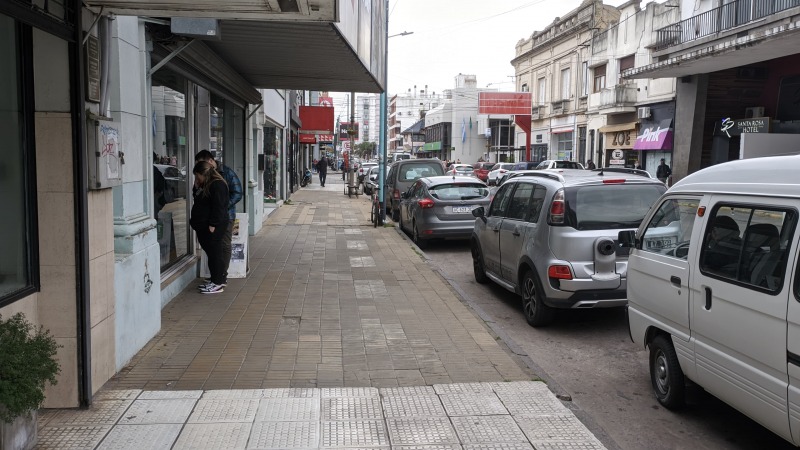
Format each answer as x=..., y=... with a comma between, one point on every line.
x=560, y=272
x=425, y=203
x=557, y=209
x=396, y=194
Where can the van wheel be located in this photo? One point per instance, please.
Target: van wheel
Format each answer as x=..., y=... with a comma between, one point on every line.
x=477, y=265
x=536, y=312
x=666, y=375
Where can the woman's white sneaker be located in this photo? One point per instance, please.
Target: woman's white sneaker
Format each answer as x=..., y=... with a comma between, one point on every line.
x=212, y=288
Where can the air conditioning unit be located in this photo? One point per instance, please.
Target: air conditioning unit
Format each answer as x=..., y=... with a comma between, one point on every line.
x=754, y=111
x=643, y=112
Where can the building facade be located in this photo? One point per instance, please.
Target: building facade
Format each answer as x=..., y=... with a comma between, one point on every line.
x=404, y=110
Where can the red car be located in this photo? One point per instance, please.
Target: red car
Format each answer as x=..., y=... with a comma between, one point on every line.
x=482, y=169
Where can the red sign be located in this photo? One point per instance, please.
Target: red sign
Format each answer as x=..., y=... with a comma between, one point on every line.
x=513, y=103
x=326, y=101
x=325, y=138
x=308, y=138
x=316, y=119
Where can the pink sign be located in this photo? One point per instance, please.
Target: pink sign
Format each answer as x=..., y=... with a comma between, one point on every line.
x=654, y=138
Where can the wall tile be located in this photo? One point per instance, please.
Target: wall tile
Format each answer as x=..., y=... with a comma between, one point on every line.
x=27, y=306
x=101, y=223
x=57, y=301
x=65, y=393
x=54, y=152
x=103, y=357
x=56, y=229
x=98, y=283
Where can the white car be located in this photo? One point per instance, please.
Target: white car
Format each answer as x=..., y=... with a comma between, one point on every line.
x=363, y=169
x=497, y=171
x=461, y=169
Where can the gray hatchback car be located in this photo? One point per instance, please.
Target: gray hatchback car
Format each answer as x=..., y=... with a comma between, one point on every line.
x=551, y=237
x=402, y=174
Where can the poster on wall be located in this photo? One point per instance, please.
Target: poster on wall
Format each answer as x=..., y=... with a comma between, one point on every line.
x=239, y=249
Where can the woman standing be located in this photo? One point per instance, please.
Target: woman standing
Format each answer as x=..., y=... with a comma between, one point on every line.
x=209, y=219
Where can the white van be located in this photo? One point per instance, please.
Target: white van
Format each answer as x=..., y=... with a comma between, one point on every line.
x=717, y=298
x=399, y=156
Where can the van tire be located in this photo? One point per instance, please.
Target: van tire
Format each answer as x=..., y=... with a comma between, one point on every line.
x=669, y=383
x=478, y=267
x=537, y=314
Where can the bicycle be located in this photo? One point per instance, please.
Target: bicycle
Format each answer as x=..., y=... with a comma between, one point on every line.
x=375, y=212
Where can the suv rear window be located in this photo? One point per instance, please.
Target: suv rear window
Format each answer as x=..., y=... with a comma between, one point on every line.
x=461, y=191
x=610, y=206
x=484, y=166
x=411, y=172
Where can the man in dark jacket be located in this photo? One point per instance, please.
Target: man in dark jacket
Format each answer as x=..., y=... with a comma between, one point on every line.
x=235, y=194
x=663, y=172
x=322, y=168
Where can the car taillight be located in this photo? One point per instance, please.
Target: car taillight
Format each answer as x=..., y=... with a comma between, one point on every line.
x=557, y=209
x=615, y=181
x=560, y=272
x=396, y=194
x=503, y=171
x=425, y=203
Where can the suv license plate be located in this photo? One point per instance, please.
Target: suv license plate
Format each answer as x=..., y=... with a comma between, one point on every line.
x=659, y=243
x=462, y=209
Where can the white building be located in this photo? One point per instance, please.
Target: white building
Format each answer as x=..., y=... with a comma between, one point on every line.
x=368, y=111
x=405, y=110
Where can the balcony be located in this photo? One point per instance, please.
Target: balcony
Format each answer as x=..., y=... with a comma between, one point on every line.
x=560, y=107
x=538, y=112
x=717, y=20
x=620, y=98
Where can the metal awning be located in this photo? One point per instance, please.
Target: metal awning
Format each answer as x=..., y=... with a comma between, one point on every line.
x=618, y=127
x=295, y=10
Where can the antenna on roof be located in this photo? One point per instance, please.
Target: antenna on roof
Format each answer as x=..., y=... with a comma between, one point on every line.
x=601, y=172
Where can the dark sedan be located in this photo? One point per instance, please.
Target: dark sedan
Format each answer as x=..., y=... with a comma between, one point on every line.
x=441, y=207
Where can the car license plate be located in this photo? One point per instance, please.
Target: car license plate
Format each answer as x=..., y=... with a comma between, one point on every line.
x=659, y=243
x=462, y=209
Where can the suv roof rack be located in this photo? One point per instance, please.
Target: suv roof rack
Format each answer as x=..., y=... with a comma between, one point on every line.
x=641, y=172
x=544, y=174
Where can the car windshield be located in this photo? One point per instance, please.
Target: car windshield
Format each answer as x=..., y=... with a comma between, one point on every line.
x=568, y=165
x=411, y=172
x=610, y=206
x=463, y=169
x=459, y=191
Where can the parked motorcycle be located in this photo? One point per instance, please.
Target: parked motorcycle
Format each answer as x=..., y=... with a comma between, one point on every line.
x=306, y=178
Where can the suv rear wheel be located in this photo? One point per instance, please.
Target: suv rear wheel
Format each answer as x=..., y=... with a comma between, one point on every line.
x=477, y=265
x=536, y=312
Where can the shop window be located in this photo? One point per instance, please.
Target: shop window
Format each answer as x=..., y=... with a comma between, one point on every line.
x=564, y=145
x=172, y=165
x=18, y=231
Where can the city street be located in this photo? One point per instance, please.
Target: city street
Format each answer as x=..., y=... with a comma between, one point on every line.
x=588, y=355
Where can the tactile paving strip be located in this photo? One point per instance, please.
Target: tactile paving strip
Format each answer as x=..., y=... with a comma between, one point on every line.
x=351, y=408
x=152, y=436
x=69, y=438
x=532, y=404
x=367, y=433
x=101, y=413
x=463, y=388
x=511, y=446
x=421, y=430
x=165, y=395
x=212, y=410
x=413, y=406
x=291, y=393
x=407, y=391
x=158, y=411
x=213, y=435
x=116, y=394
x=284, y=435
x=233, y=394
x=564, y=427
x=427, y=447
x=350, y=392
x=583, y=445
x=473, y=404
x=487, y=429
x=288, y=410
x=519, y=386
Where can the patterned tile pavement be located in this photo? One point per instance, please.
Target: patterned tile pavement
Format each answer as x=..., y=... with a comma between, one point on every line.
x=386, y=418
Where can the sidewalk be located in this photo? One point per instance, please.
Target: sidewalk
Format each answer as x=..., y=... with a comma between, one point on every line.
x=341, y=337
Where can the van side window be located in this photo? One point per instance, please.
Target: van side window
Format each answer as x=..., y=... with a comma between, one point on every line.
x=498, y=206
x=747, y=245
x=670, y=229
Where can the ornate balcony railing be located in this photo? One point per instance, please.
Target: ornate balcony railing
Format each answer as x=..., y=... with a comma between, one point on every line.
x=725, y=17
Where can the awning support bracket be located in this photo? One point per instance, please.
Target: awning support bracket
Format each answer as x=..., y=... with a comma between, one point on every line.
x=255, y=110
x=168, y=58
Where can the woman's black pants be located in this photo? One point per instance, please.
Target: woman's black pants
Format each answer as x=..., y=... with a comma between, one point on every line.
x=212, y=245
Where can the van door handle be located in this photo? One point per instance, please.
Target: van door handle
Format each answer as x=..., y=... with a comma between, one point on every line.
x=708, y=298
x=676, y=281
x=516, y=231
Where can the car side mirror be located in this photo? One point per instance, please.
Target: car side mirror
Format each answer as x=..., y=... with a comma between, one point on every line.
x=479, y=213
x=404, y=195
x=627, y=238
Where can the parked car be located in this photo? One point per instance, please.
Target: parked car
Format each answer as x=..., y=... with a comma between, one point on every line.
x=402, y=174
x=550, y=237
x=558, y=164
x=497, y=170
x=481, y=170
x=176, y=181
x=400, y=156
x=363, y=169
x=441, y=207
x=460, y=169
x=515, y=173
x=717, y=301
x=371, y=180
x=518, y=167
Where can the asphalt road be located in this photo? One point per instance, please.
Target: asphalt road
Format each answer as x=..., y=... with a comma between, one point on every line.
x=588, y=355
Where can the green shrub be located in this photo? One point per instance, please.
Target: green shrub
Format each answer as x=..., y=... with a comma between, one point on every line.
x=27, y=362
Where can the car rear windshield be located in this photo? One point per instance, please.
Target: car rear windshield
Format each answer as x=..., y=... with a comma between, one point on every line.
x=411, y=172
x=610, y=206
x=485, y=166
x=463, y=169
x=459, y=191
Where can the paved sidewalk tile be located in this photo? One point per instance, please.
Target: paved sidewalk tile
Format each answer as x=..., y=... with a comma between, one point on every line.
x=392, y=418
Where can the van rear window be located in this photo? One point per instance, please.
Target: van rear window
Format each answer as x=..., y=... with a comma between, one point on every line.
x=610, y=206
x=411, y=172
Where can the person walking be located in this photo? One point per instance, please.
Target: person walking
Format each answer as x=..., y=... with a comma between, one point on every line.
x=590, y=165
x=663, y=172
x=322, y=168
x=209, y=219
x=235, y=194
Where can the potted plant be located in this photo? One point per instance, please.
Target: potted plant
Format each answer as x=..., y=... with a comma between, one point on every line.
x=27, y=363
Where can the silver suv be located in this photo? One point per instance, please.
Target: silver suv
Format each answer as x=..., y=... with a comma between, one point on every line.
x=551, y=237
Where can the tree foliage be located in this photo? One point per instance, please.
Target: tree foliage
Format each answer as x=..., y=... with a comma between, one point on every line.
x=365, y=150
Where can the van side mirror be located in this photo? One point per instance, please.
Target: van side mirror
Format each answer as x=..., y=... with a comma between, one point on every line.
x=404, y=195
x=627, y=238
x=479, y=213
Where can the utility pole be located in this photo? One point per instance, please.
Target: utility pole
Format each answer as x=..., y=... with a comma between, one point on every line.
x=382, y=159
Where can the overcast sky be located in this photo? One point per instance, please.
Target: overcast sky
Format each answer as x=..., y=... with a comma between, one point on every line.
x=474, y=37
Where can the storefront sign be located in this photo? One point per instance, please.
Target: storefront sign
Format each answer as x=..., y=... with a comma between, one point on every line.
x=655, y=137
x=730, y=128
x=432, y=146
